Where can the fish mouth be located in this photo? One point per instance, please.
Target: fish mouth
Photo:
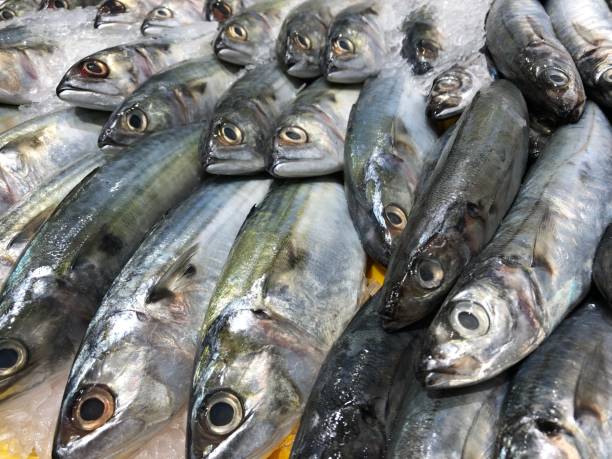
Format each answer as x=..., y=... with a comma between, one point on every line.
x=86, y=98
x=336, y=74
x=300, y=68
x=231, y=55
x=106, y=142
x=218, y=166
x=150, y=27
x=440, y=374
x=104, y=22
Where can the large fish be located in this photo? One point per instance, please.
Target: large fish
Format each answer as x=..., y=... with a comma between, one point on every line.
x=388, y=144
x=222, y=10
x=355, y=399
x=560, y=400
x=585, y=28
x=536, y=269
x=37, y=149
x=184, y=94
x=151, y=315
x=285, y=296
x=172, y=15
x=602, y=267
x=525, y=49
x=123, y=13
x=458, y=212
x=250, y=37
x=309, y=135
x=59, y=280
x=67, y=4
x=10, y=9
x=238, y=137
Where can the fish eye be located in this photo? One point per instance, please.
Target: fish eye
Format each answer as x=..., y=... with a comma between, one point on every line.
x=607, y=76
x=548, y=428
x=162, y=12
x=555, y=77
x=342, y=45
x=293, y=135
x=427, y=50
x=92, y=408
x=469, y=319
x=221, y=11
x=448, y=83
x=237, y=33
x=13, y=357
x=221, y=414
x=6, y=14
x=94, y=68
x=229, y=134
x=59, y=4
x=112, y=7
x=136, y=120
x=395, y=218
x=429, y=273
x=301, y=41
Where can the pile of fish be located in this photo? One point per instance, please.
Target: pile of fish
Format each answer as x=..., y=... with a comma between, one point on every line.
x=192, y=193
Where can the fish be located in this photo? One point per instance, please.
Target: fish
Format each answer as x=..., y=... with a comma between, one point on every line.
x=152, y=315
x=285, y=295
x=309, y=135
x=59, y=280
x=585, y=29
x=355, y=46
x=183, y=94
x=10, y=9
x=560, y=399
x=301, y=41
x=523, y=45
x=470, y=190
x=351, y=408
x=249, y=38
x=21, y=222
x=536, y=269
x=11, y=116
x=171, y=15
x=602, y=266
x=388, y=144
x=123, y=13
x=222, y=10
x=423, y=42
x=238, y=137
x=37, y=149
x=67, y=4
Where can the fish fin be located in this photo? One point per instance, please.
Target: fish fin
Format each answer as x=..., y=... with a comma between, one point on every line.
x=30, y=229
x=541, y=250
x=176, y=279
x=593, y=386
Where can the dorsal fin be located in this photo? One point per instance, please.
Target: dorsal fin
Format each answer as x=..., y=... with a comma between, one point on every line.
x=30, y=229
x=176, y=279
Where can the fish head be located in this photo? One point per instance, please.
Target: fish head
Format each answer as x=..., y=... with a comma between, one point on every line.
x=599, y=65
x=301, y=44
x=56, y=4
x=422, y=44
x=222, y=10
x=451, y=92
x=119, y=13
x=11, y=9
x=164, y=17
x=354, y=50
x=244, y=39
x=236, y=141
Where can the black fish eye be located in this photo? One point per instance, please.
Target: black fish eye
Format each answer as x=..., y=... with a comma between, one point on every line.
x=555, y=77
x=221, y=11
x=60, y=4
x=6, y=14
x=293, y=135
x=92, y=408
x=237, y=33
x=427, y=49
x=136, y=120
x=13, y=357
x=163, y=12
x=342, y=45
x=469, y=319
x=429, y=273
x=221, y=414
x=229, y=134
x=112, y=7
x=94, y=68
x=301, y=41
x=395, y=218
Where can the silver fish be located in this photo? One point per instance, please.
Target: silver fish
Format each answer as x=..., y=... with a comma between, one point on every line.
x=388, y=144
x=67, y=4
x=123, y=13
x=458, y=212
x=183, y=94
x=309, y=135
x=222, y=10
x=59, y=280
x=151, y=315
x=602, y=267
x=284, y=297
x=171, y=14
x=536, y=269
x=10, y=9
x=525, y=49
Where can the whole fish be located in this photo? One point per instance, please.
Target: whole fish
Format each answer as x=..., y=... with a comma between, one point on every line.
x=458, y=212
x=238, y=137
x=59, y=280
x=152, y=314
x=560, y=399
x=11, y=116
x=123, y=13
x=39, y=148
x=250, y=37
x=423, y=42
x=67, y=4
x=585, y=28
x=171, y=15
x=183, y=94
x=388, y=144
x=310, y=133
x=22, y=221
x=536, y=269
x=284, y=297
x=222, y=10
x=351, y=408
x=602, y=267
x=525, y=49
x=301, y=41
x=10, y=9
x=355, y=45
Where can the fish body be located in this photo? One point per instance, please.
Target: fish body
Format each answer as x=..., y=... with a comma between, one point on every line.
x=59, y=280
x=536, y=269
x=183, y=94
x=152, y=315
x=222, y=10
x=458, y=212
x=310, y=134
x=388, y=145
x=522, y=42
x=238, y=138
x=602, y=267
x=10, y=9
x=123, y=13
x=284, y=297
x=171, y=15
x=11, y=116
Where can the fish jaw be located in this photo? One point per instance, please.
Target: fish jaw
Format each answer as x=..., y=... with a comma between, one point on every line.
x=96, y=94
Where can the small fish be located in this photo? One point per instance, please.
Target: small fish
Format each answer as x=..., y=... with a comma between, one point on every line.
x=470, y=190
x=388, y=144
x=560, y=400
x=286, y=294
x=10, y=9
x=123, y=13
x=152, y=315
x=536, y=269
x=238, y=138
x=309, y=135
x=602, y=267
x=585, y=28
x=222, y=10
x=171, y=15
x=525, y=49
x=249, y=37
x=422, y=43
x=183, y=94
x=67, y=4
x=59, y=280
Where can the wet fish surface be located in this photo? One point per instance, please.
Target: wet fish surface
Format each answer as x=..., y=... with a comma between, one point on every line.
x=602, y=267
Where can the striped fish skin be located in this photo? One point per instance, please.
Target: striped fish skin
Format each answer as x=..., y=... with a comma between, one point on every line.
x=602, y=266
x=152, y=314
x=522, y=42
x=536, y=269
x=285, y=296
x=58, y=282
